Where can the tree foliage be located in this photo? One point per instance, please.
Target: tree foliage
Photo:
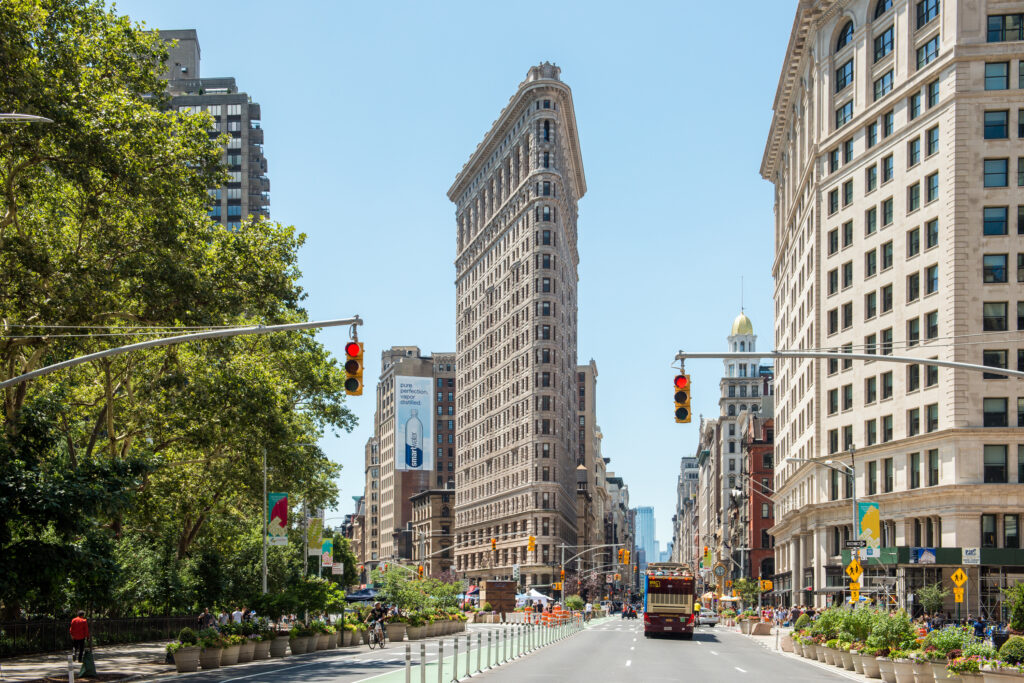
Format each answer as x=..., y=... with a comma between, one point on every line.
x=134, y=484
x=933, y=597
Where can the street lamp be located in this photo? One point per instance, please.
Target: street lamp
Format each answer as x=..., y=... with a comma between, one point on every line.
x=851, y=471
x=26, y=118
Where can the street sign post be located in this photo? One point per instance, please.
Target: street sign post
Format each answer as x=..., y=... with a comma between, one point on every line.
x=958, y=596
x=854, y=570
x=855, y=544
x=959, y=578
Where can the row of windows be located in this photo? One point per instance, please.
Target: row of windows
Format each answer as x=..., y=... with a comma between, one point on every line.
x=883, y=383
x=997, y=75
x=926, y=11
x=930, y=413
x=931, y=231
x=995, y=271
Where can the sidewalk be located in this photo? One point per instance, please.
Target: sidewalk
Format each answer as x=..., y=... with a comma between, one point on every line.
x=768, y=643
x=117, y=662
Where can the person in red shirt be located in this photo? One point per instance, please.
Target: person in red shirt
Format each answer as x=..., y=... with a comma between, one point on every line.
x=79, y=632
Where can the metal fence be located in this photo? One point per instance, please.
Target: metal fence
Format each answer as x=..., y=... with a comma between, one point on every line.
x=51, y=635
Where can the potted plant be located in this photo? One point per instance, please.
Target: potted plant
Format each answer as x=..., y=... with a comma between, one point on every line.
x=922, y=665
x=265, y=637
x=830, y=652
x=334, y=635
x=320, y=638
x=903, y=666
x=185, y=651
x=299, y=638
x=857, y=657
x=415, y=628
x=245, y=652
x=843, y=646
x=967, y=669
x=212, y=645
x=945, y=644
x=396, y=628
x=232, y=646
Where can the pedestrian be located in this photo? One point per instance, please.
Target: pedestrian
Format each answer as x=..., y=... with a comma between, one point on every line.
x=246, y=615
x=236, y=615
x=206, y=620
x=589, y=610
x=79, y=632
x=223, y=618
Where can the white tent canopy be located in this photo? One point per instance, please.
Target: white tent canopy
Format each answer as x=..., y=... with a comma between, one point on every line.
x=530, y=596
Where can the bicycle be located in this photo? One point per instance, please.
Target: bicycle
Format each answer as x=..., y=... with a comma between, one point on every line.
x=376, y=637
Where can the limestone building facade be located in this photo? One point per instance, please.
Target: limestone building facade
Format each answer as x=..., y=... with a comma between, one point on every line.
x=895, y=154
x=516, y=278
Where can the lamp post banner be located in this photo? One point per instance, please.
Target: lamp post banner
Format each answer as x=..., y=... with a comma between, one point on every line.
x=277, y=519
x=327, y=552
x=315, y=534
x=869, y=526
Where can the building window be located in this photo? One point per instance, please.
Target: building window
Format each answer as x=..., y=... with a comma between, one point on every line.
x=913, y=423
x=928, y=52
x=870, y=263
x=882, y=7
x=931, y=278
x=994, y=268
x=844, y=75
x=933, y=467
x=932, y=417
x=833, y=281
x=931, y=184
x=996, y=172
x=833, y=160
x=844, y=114
x=871, y=432
x=883, y=85
x=932, y=141
x=915, y=470
x=997, y=75
x=995, y=468
x=872, y=135
x=887, y=256
x=847, y=316
x=995, y=413
x=847, y=274
x=994, y=316
x=887, y=212
x=886, y=385
x=870, y=390
x=889, y=476
x=765, y=511
x=988, y=531
x=914, y=197
x=833, y=201
x=931, y=233
x=1011, y=535
x=1005, y=28
x=888, y=122
x=994, y=358
x=926, y=11
x=996, y=221
x=913, y=152
x=914, y=106
x=872, y=477
x=997, y=125
x=848, y=196
x=883, y=43
x=931, y=375
x=870, y=178
x=870, y=220
x=870, y=306
x=933, y=93
x=913, y=332
x=913, y=377
x=887, y=169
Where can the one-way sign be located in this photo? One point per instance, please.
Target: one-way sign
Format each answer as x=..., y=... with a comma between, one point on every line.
x=855, y=544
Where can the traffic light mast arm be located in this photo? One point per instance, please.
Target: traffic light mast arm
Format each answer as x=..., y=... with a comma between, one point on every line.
x=839, y=355
x=180, y=339
x=589, y=548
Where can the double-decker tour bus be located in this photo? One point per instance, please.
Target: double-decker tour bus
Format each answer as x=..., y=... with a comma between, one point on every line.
x=669, y=594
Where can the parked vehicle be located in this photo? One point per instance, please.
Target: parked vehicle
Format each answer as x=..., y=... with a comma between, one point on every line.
x=707, y=618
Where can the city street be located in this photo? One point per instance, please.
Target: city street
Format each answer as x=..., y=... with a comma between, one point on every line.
x=616, y=650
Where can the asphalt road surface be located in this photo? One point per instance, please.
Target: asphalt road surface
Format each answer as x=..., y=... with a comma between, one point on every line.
x=616, y=650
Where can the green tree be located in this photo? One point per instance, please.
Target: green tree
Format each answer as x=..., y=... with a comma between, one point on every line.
x=147, y=466
x=748, y=589
x=932, y=597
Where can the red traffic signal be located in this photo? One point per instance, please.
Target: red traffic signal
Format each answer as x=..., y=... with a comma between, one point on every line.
x=354, y=368
x=682, y=382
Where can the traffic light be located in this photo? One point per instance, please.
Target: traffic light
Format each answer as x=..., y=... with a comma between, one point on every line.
x=419, y=570
x=531, y=545
x=682, y=389
x=626, y=556
x=622, y=555
x=354, y=368
x=494, y=544
x=618, y=577
x=561, y=574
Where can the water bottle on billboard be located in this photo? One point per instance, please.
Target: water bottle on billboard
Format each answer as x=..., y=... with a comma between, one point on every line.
x=413, y=441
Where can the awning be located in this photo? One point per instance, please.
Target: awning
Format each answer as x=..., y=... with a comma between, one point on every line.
x=707, y=597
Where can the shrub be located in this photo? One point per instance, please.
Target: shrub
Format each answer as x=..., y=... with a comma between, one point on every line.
x=891, y=632
x=827, y=625
x=980, y=650
x=487, y=607
x=950, y=638
x=187, y=636
x=1015, y=597
x=574, y=602
x=965, y=665
x=1012, y=651
x=857, y=622
x=801, y=621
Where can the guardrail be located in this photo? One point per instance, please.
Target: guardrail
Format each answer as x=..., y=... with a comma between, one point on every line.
x=51, y=635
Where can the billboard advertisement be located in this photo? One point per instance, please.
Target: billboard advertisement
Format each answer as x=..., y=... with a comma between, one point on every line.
x=277, y=519
x=327, y=552
x=414, y=423
x=314, y=532
x=869, y=525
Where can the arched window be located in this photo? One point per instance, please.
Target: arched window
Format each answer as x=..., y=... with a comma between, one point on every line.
x=845, y=36
x=444, y=512
x=743, y=346
x=882, y=7
x=732, y=410
x=743, y=407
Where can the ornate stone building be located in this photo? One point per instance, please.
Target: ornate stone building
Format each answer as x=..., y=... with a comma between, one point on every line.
x=516, y=276
x=897, y=171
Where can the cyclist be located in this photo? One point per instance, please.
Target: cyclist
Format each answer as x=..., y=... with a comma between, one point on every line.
x=376, y=621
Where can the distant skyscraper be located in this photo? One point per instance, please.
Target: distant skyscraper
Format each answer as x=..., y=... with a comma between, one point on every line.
x=516, y=275
x=235, y=114
x=645, y=533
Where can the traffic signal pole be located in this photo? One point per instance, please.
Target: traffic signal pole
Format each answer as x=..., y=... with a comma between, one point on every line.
x=839, y=355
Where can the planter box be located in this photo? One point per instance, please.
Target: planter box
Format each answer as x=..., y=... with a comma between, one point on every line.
x=888, y=669
x=187, y=659
x=870, y=664
x=829, y=654
x=787, y=644
x=261, y=650
x=820, y=650
x=761, y=628
x=904, y=669
x=1001, y=676
x=745, y=627
x=246, y=650
x=279, y=646
x=322, y=641
x=300, y=645
x=396, y=632
x=940, y=673
x=415, y=632
x=333, y=639
x=858, y=662
x=923, y=673
x=209, y=658
x=229, y=657
x=847, y=660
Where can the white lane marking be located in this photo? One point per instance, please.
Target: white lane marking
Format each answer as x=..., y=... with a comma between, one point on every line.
x=713, y=652
x=742, y=671
x=263, y=673
x=632, y=648
x=634, y=640
x=628, y=662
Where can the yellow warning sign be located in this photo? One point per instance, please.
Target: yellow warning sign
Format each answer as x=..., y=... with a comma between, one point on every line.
x=959, y=577
x=958, y=594
x=854, y=569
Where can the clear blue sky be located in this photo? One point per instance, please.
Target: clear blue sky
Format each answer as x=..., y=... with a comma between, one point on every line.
x=371, y=108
